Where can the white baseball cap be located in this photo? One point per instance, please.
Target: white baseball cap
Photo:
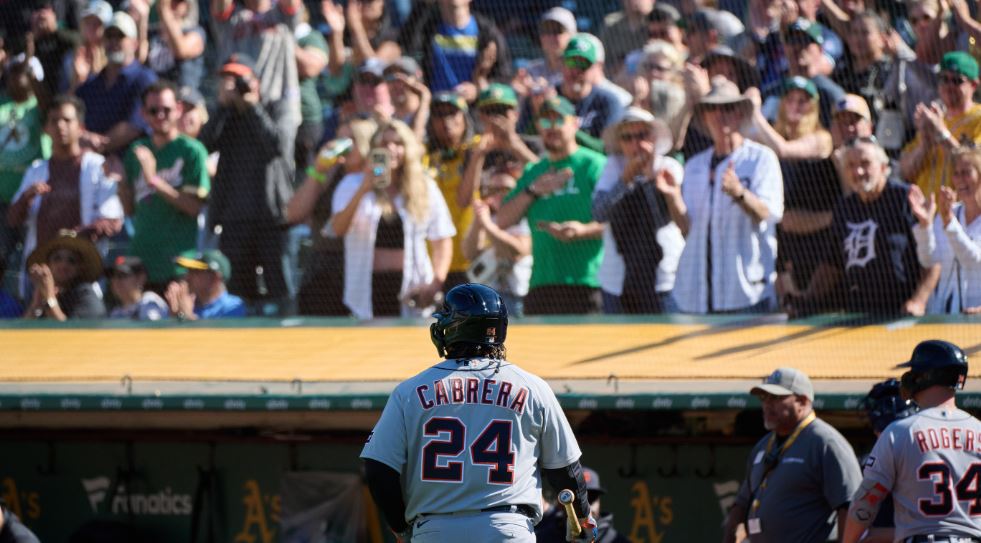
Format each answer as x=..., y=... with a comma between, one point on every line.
x=100, y=10
x=124, y=23
x=663, y=139
x=562, y=16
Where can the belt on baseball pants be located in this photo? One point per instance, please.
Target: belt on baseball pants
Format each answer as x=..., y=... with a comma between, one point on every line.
x=524, y=509
x=941, y=539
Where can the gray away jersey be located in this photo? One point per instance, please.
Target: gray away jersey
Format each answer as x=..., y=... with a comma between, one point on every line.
x=931, y=462
x=472, y=435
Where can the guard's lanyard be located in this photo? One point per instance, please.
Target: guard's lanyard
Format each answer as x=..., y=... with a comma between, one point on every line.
x=770, y=462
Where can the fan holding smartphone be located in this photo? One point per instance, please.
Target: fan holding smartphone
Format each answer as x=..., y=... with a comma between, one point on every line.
x=387, y=214
x=379, y=161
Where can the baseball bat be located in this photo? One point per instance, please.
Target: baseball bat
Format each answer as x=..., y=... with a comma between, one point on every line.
x=566, y=497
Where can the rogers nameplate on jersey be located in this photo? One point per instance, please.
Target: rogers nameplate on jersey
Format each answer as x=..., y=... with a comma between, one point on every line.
x=958, y=439
x=472, y=391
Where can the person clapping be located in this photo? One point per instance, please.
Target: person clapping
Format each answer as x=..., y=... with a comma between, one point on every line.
x=953, y=238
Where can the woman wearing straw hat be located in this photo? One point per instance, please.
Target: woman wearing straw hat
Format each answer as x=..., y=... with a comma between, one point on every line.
x=63, y=272
x=728, y=211
x=641, y=245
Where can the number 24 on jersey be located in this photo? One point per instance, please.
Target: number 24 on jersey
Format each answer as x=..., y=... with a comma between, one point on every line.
x=492, y=448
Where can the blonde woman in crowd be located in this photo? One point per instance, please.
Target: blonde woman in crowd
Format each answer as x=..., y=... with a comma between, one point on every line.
x=797, y=133
x=386, y=214
x=811, y=186
x=953, y=238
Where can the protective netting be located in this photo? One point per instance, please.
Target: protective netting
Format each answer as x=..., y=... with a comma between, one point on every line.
x=361, y=158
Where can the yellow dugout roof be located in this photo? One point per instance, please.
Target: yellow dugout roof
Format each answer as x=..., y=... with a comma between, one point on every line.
x=710, y=349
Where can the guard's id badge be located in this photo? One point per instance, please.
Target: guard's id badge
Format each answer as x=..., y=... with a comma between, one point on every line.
x=754, y=526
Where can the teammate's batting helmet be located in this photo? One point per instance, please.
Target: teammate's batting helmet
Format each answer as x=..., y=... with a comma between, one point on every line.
x=472, y=314
x=885, y=403
x=935, y=362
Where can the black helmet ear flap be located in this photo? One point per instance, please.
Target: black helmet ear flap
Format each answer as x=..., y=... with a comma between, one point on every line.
x=439, y=340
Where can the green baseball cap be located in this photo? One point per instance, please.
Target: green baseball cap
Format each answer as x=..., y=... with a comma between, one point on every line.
x=210, y=260
x=559, y=105
x=451, y=98
x=800, y=83
x=581, y=47
x=960, y=62
x=813, y=32
x=497, y=94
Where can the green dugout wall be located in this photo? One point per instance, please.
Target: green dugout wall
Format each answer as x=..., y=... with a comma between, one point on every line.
x=657, y=492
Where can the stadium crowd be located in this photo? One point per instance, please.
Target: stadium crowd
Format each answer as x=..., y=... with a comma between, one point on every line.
x=177, y=159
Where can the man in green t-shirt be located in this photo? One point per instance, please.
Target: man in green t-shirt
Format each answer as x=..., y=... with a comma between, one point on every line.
x=166, y=186
x=556, y=195
x=21, y=141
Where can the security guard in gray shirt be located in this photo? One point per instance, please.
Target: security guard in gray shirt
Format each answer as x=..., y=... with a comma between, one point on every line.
x=801, y=476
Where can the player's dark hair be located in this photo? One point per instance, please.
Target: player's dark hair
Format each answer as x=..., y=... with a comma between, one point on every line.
x=465, y=350
x=63, y=100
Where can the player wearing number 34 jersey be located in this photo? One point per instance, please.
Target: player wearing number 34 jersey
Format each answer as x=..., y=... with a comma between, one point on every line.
x=460, y=449
x=930, y=461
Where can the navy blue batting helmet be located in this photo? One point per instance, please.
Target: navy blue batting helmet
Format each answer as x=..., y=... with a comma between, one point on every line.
x=884, y=404
x=472, y=314
x=935, y=362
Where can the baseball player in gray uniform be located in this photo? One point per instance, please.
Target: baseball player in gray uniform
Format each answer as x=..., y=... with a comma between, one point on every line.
x=460, y=449
x=931, y=461
x=883, y=404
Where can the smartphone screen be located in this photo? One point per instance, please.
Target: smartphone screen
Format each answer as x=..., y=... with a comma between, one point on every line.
x=378, y=160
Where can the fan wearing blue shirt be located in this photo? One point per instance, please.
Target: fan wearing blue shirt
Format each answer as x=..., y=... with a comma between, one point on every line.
x=10, y=308
x=202, y=293
x=113, y=97
x=457, y=49
x=454, y=51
